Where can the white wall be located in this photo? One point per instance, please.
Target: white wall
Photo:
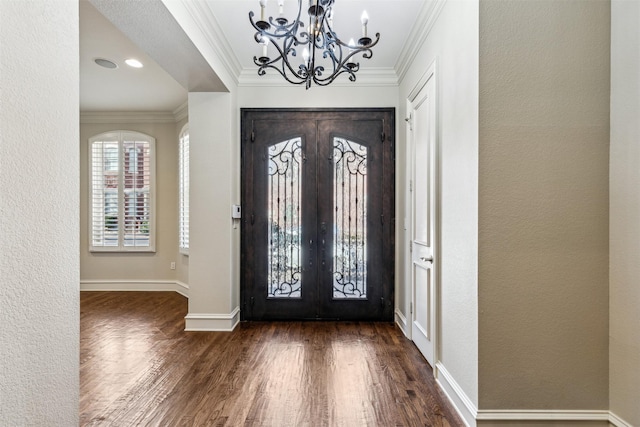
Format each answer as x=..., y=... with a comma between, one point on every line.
x=114, y=267
x=624, y=239
x=338, y=95
x=213, y=252
x=39, y=269
x=453, y=44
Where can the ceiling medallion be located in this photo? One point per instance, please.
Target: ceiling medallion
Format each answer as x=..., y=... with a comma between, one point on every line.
x=303, y=54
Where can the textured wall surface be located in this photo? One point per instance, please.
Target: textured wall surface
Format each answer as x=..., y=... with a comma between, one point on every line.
x=135, y=266
x=543, y=210
x=39, y=271
x=453, y=42
x=624, y=339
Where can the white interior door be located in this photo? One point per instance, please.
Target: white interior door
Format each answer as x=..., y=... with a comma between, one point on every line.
x=422, y=108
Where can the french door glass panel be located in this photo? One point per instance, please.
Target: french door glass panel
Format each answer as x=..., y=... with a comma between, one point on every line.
x=285, y=232
x=349, y=220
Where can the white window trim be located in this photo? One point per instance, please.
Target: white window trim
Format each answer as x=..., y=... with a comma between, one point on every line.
x=121, y=136
x=181, y=196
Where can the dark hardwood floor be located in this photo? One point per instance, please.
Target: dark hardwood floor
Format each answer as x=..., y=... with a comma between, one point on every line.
x=139, y=367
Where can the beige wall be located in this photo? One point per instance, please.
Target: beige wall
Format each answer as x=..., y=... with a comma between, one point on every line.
x=453, y=44
x=110, y=267
x=624, y=304
x=543, y=205
x=39, y=269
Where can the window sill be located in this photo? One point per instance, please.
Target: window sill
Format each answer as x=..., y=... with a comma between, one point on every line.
x=121, y=250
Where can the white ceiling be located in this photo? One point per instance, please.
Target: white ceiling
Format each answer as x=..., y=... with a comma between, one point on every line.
x=122, y=89
x=393, y=19
x=153, y=89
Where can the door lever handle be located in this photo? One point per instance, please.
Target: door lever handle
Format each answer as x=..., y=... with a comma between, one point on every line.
x=426, y=259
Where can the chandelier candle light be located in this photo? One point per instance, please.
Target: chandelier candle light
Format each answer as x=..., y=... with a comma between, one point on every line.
x=324, y=55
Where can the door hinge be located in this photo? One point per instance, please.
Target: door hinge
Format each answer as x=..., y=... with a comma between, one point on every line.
x=382, y=219
x=382, y=302
x=252, y=301
x=410, y=185
x=253, y=219
x=410, y=121
x=253, y=136
x=411, y=246
x=383, y=136
x=410, y=308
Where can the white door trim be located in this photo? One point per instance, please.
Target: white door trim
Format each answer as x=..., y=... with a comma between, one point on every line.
x=430, y=73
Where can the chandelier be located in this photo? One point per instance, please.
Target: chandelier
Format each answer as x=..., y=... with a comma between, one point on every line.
x=323, y=55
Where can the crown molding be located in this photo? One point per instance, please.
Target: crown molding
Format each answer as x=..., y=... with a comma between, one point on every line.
x=181, y=112
x=369, y=77
x=427, y=18
x=207, y=23
x=127, y=117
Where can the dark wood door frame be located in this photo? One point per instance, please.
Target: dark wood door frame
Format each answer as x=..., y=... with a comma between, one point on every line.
x=365, y=125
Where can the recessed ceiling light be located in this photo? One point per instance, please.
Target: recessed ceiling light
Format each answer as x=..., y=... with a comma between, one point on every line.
x=105, y=63
x=133, y=63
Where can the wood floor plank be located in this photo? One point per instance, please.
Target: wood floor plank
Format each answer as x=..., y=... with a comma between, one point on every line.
x=139, y=367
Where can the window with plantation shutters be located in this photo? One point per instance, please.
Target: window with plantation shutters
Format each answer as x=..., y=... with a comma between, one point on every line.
x=183, y=189
x=122, y=192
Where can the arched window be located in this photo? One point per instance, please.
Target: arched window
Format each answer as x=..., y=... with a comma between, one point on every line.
x=183, y=191
x=122, y=192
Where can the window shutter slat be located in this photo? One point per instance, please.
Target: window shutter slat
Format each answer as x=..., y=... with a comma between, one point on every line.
x=183, y=197
x=121, y=189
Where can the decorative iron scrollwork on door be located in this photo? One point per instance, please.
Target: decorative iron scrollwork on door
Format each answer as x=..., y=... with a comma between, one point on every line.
x=283, y=203
x=350, y=220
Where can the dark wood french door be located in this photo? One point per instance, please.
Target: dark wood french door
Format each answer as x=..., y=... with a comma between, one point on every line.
x=318, y=214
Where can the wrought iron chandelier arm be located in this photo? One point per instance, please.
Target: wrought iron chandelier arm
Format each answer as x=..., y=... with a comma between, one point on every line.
x=287, y=76
x=327, y=57
x=340, y=66
x=289, y=47
x=358, y=49
x=343, y=64
x=286, y=30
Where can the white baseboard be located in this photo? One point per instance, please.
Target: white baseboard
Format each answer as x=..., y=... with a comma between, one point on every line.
x=465, y=407
x=473, y=417
x=193, y=321
x=551, y=416
x=542, y=415
x=401, y=321
x=135, y=285
x=182, y=288
x=617, y=421
x=212, y=321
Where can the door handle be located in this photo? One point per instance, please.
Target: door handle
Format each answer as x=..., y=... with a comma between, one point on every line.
x=426, y=259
